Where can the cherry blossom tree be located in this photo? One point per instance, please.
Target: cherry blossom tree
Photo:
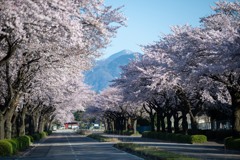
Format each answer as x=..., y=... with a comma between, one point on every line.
x=221, y=35
x=109, y=101
x=189, y=63
x=209, y=54
x=15, y=80
x=61, y=27
x=59, y=38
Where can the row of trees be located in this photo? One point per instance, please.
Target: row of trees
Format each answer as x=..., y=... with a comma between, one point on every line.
x=44, y=47
x=192, y=71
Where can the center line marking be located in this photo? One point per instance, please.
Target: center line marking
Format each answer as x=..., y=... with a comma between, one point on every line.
x=73, y=152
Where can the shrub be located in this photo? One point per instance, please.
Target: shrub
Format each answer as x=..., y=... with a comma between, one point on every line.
x=5, y=148
x=183, y=138
x=24, y=142
x=198, y=139
x=49, y=132
x=175, y=137
x=36, y=137
x=31, y=138
x=14, y=144
x=213, y=135
x=43, y=135
x=232, y=143
x=17, y=142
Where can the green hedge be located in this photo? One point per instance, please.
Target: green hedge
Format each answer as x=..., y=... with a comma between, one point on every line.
x=24, y=142
x=218, y=135
x=198, y=138
x=9, y=147
x=31, y=138
x=49, y=132
x=6, y=148
x=175, y=137
x=232, y=143
x=36, y=137
x=15, y=145
x=43, y=135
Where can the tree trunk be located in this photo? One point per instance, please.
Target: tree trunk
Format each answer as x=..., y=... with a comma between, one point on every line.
x=22, y=121
x=112, y=125
x=236, y=122
x=163, y=126
x=134, y=124
x=106, y=124
x=176, y=122
x=235, y=96
x=14, y=125
x=36, y=122
x=41, y=124
x=158, y=121
x=50, y=124
x=169, y=122
x=8, y=131
x=9, y=114
x=2, y=123
x=184, y=122
x=109, y=125
x=48, y=120
x=30, y=124
x=194, y=124
x=152, y=122
x=151, y=114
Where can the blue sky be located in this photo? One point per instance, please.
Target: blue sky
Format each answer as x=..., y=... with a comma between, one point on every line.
x=149, y=19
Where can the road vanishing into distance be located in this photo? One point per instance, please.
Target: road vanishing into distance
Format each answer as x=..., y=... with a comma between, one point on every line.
x=67, y=145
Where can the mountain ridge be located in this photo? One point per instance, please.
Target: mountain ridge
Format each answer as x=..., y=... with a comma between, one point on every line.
x=107, y=69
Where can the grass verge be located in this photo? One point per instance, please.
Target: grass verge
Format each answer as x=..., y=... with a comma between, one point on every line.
x=154, y=153
x=102, y=138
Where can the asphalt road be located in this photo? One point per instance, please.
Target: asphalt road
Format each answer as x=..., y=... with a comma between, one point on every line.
x=66, y=145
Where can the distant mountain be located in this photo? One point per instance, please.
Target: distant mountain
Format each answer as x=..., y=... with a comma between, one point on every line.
x=99, y=77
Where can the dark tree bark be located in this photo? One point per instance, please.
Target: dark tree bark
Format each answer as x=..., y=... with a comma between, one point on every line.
x=235, y=95
x=184, y=122
x=169, y=122
x=176, y=122
x=151, y=114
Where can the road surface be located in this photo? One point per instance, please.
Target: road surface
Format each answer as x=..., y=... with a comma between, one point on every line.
x=66, y=145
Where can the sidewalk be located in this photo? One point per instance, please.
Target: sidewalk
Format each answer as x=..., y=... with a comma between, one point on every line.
x=207, y=151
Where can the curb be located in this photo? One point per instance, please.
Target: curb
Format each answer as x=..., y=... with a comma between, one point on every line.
x=33, y=146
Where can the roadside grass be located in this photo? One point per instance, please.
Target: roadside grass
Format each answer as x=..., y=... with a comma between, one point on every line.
x=102, y=138
x=84, y=132
x=147, y=152
x=124, y=132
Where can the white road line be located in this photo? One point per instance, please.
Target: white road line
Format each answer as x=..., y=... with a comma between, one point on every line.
x=73, y=152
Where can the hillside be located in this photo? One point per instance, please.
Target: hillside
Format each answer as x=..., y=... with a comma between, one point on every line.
x=99, y=77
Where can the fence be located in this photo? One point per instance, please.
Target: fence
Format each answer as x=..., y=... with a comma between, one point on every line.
x=215, y=125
